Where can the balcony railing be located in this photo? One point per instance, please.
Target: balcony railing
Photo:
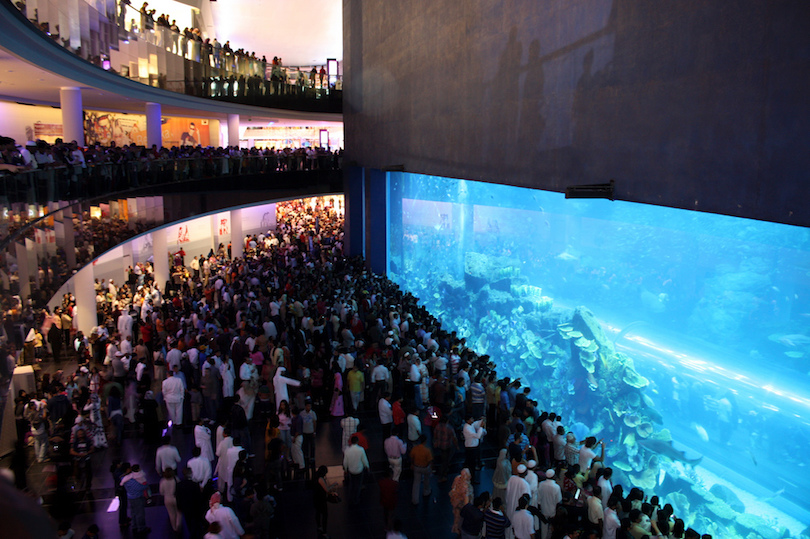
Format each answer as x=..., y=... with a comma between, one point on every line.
x=42, y=186
x=42, y=244
x=118, y=38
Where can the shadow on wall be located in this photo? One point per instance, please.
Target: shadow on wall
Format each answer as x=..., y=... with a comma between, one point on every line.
x=691, y=105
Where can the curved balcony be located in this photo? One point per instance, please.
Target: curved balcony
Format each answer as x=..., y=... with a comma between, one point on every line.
x=47, y=185
x=43, y=245
x=102, y=48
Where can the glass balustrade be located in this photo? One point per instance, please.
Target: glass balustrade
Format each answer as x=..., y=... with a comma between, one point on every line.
x=52, y=224
x=117, y=37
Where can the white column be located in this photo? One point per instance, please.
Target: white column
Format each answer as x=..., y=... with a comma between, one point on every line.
x=233, y=130
x=70, y=99
x=154, y=129
x=237, y=237
x=86, y=317
x=214, y=232
x=160, y=253
x=23, y=273
x=70, y=238
x=128, y=260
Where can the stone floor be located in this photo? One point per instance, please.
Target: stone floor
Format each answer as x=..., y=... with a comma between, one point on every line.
x=432, y=518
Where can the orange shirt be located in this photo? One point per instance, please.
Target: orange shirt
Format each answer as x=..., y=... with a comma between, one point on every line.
x=421, y=456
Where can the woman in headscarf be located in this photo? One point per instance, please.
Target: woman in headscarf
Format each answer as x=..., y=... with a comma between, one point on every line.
x=231, y=528
x=461, y=493
x=249, y=376
x=131, y=399
x=336, y=409
x=503, y=471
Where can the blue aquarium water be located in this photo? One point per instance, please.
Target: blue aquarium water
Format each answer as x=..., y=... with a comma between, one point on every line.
x=682, y=338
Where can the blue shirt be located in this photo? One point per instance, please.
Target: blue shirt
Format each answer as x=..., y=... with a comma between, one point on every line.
x=506, y=401
x=522, y=440
x=134, y=489
x=308, y=421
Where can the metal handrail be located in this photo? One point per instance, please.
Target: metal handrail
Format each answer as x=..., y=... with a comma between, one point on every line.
x=239, y=168
x=212, y=63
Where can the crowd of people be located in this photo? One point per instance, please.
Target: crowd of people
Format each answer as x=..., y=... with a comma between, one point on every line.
x=227, y=72
x=163, y=31
x=289, y=337
x=98, y=170
x=75, y=159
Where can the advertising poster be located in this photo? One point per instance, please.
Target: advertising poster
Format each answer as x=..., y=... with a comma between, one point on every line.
x=185, y=132
x=47, y=132
x=106, y=127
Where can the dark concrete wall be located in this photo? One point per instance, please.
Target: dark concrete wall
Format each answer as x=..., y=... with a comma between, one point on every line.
x=692, y=104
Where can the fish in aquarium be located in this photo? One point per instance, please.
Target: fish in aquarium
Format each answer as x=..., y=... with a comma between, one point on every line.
x=638, y=322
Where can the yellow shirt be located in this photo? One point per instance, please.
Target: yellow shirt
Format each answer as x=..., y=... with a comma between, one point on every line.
x=356, y=381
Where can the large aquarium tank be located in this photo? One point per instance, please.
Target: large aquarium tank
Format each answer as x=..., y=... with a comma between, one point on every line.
x=681, y=338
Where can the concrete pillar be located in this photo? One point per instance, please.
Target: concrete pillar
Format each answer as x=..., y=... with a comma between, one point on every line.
x=86, y=317
x=33, y=259
x=376, y=214
x=70, y=99
x=233, y=130
x=69, y=239
x=23, y=271
x=354, y=223
x=127, y=261
x=395, y=256
x=237, y=236
x=154, y=129
x=160, y=252
x=214, y=233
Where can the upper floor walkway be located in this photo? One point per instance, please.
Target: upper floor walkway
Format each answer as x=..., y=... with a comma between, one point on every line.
x=93, y=45
x=43, y=244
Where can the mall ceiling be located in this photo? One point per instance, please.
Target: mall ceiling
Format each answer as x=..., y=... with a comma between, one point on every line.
x=301, y=33
x=32, y=71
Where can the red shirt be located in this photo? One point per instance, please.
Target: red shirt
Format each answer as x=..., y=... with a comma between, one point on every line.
x=146, y=333
x=398, y=413
x=362, y=441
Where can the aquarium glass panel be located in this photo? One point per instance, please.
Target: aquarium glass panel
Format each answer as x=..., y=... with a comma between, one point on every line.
x=681, y=338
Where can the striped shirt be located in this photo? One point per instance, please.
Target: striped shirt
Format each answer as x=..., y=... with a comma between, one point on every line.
x=497, y=523
x=477, y=393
